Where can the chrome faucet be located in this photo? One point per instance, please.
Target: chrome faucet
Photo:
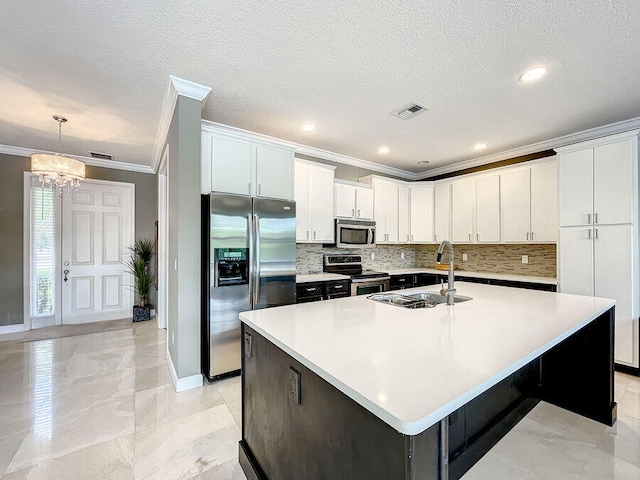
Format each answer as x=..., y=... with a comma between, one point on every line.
x=450, y=292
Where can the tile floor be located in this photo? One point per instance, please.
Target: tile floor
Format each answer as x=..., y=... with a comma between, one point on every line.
x=102, y=405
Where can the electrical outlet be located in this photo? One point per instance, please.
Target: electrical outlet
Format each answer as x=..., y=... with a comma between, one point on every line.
x=294, y=386
x=373, y=256
x=525, y=258
x=402, y=255
x=173, y=339
x=464, y=257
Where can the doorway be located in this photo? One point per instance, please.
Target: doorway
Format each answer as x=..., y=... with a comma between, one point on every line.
x=76, y=251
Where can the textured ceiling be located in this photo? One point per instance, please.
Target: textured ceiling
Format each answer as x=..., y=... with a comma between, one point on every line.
x=343, y=64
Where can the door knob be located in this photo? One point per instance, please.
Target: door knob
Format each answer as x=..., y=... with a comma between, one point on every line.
x=66, y=272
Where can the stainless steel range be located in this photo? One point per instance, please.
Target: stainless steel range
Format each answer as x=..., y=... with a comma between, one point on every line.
x=363, y=282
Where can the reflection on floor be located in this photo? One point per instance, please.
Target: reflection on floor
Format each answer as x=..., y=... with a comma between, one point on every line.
x=102, y=406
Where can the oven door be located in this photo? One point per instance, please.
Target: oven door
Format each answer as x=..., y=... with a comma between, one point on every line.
x=369, y=286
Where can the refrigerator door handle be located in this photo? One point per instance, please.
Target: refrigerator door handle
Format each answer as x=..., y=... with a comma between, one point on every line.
x=251, y=269
x=257, y=255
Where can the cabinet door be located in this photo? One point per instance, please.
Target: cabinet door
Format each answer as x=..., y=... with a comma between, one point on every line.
x=345, y=198
x=544, y=205
x=442, y=211
x=274, y=173
x=321, y=204
x=516, y=205
x=575, y=193
x=575, y=261
x=380, y=211
x=613, y=183
x=462, y=203
x=404, y=235
x=231, y=162
x=421, y=213
x=303, y=212
x=488, y=209
x=364, y=203
x=614, y=279
x=391, y=211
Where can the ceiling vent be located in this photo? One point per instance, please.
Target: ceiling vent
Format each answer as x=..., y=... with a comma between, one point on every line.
x=101, y=156
x=409, y=111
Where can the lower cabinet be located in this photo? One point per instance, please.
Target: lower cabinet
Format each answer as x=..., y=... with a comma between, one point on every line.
x=599, y=261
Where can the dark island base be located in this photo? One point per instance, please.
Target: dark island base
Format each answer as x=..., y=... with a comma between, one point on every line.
x=329, y=436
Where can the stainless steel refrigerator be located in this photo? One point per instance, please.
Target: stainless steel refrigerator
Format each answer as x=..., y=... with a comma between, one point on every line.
x=249, y=262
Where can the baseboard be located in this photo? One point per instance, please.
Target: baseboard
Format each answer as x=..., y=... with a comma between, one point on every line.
x=21, y=327
x=43, y=322
x=628, y=370
x=186, y=383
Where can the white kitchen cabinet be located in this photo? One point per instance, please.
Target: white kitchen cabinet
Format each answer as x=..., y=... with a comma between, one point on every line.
x=404, y=223
x=488, y=208
x=598, y=246
x=596, y=182
x=587, y=267
x=385, y=210
x=421, y=209
x=528, y=205
x=462, y=207
x=442, y=212
x=314, y=202
x=353, y=201
x=239, y=165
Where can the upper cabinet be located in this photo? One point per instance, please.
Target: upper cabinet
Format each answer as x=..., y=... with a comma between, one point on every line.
x=462, y=208
x=385, y=210
x=488, y=208
x=314, y=202
x=233, y=164
x=420, y=212
x=529, y=205
x=353, y=201
x=442, y=212
x=596, y=182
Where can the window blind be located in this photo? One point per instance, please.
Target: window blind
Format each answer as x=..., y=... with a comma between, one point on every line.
x=43, y=251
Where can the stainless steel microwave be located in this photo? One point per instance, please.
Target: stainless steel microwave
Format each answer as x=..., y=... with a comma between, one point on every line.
x=355, y=234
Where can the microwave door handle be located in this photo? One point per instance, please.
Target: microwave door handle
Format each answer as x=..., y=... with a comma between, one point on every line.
x=372, y=236
x=250, y=259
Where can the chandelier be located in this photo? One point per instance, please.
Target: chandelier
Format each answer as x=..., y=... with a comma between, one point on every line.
x=57, y=171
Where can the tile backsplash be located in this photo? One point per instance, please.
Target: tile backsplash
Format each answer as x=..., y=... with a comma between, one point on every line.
x=497, y=258
x=309, y=256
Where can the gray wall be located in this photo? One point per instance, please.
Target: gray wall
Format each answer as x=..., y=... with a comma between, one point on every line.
x=183, y=142
x=11, y=225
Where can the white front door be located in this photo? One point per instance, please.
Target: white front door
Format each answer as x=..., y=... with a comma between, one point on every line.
x=97, y=231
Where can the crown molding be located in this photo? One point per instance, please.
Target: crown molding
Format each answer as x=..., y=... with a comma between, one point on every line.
x=554, y=143
x=176, y=86
x=598, y=141
x=93, y=162
x=298, y=148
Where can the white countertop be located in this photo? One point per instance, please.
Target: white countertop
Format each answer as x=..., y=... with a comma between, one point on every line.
x=412, y=368
x=320, y=277
x=467, y=273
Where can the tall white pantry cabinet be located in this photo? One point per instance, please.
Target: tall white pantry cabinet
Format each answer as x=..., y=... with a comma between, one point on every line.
x=598, y=243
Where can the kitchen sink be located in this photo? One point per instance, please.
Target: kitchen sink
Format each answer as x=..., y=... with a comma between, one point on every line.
x=424, y=299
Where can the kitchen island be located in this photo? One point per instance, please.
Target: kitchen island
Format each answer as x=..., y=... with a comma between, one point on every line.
x=358, y=389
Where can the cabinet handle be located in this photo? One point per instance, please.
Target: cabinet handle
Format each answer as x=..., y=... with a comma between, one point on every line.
x=478, y=237
x=527, y=236
x=589, y=234
x=588, y=219
x=435, y=237
x=358, y=213
x=353, y=212
x=532, y=236
x=307, y=234
x=469, y=237
x=412, y=238
x=259, y=189
x=596, y=232
x=314, y=234
x=595, y=219
x=249, y=188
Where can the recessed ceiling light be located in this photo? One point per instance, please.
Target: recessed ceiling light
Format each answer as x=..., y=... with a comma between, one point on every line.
x=308, y=127
x=423, y=162
x=383, y=149
x=534, y=73
x=480, y=146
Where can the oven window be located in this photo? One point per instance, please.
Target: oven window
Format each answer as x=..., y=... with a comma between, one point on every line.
x=366, y=290
x=354, y=236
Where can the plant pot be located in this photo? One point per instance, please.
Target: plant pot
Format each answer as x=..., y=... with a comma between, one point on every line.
x=141, y=314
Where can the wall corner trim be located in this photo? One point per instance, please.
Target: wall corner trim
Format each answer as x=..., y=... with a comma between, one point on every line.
x=176, y=86
x=5, y=329
x=186, y=383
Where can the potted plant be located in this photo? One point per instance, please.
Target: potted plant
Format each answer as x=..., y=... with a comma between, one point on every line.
x=139, y=265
